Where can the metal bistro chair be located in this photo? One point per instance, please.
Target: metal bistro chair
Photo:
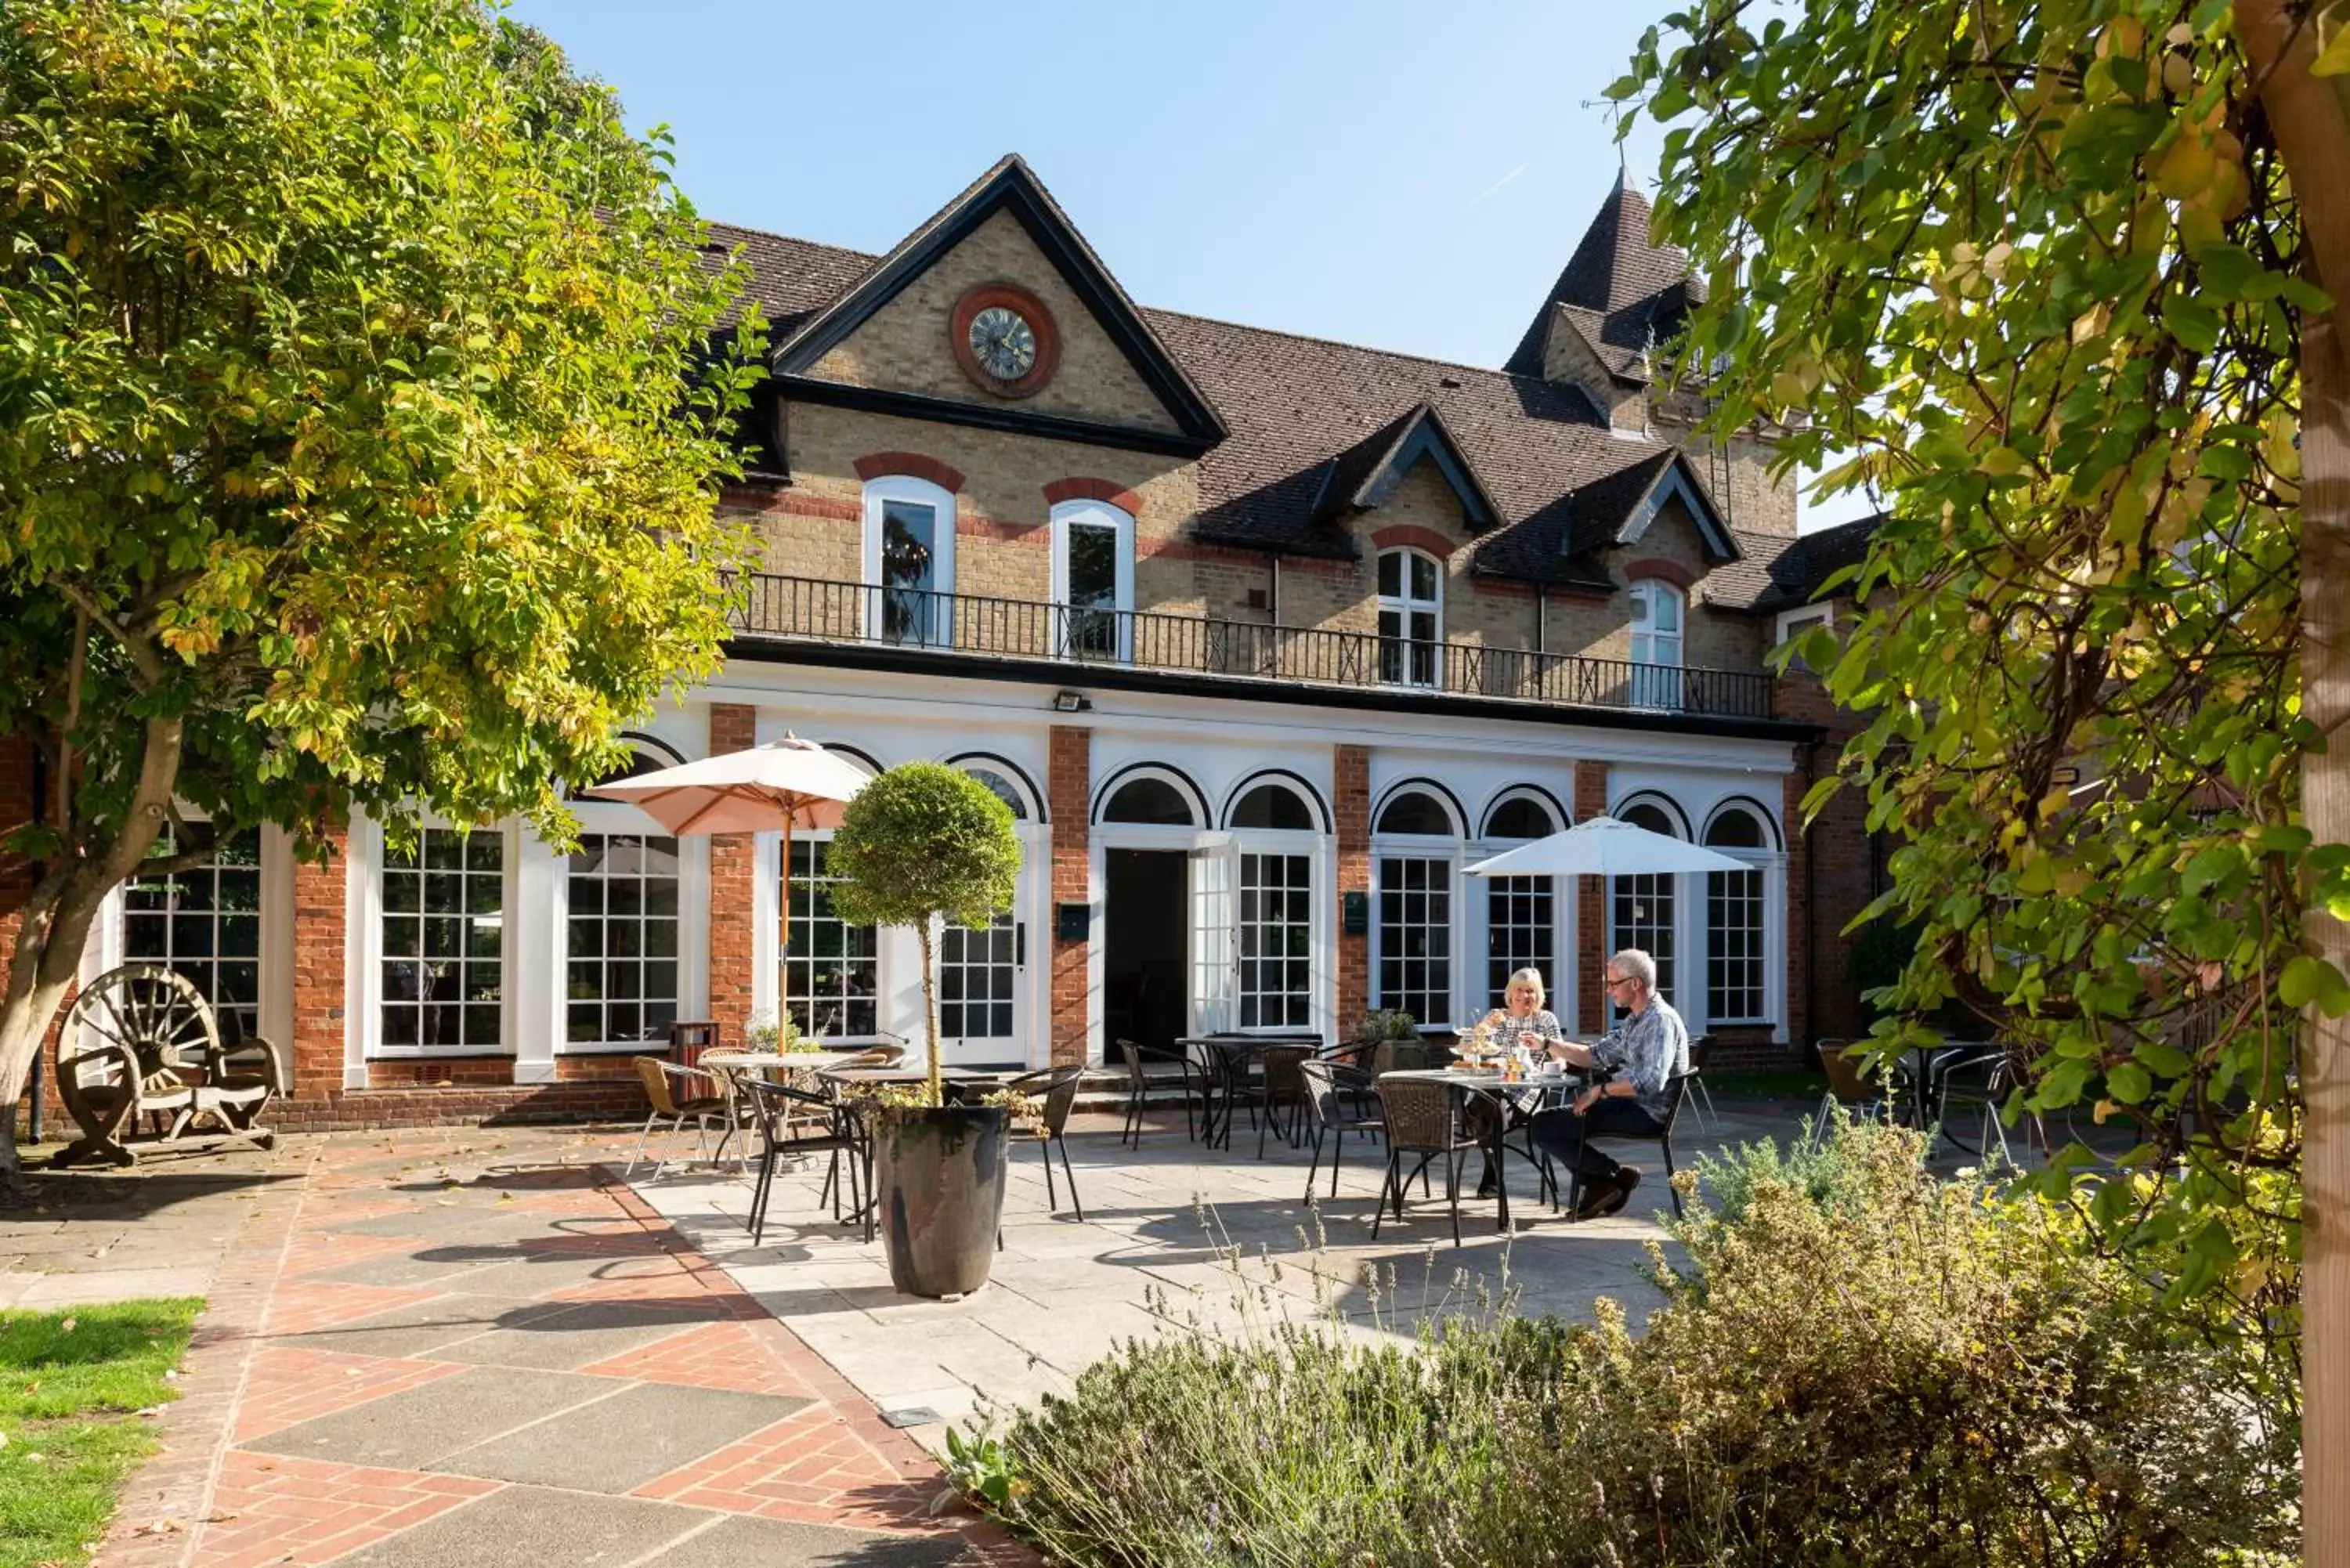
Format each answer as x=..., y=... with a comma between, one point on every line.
x=1981, y=1083
x=1283, y=1089
x=1137, y=1087
x=1329, y=1087
x=1700, y=1058
x=1677, y=1089
x=1849, y=1086
x=702, y=1109
x=1058, y=1088
x=1418, y=1117
x=1231, y=1088
x=776, y=1106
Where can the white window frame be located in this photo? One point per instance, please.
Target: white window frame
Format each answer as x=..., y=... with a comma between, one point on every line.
x=272, y=1012
x=1444, y=847
x=1657, y=682
x=1770, y=864
x=512, y=969
x=1404, y=605
x=878, y=492
x=1790, y=621
x=1692, y=1008
x=604, y=820
x=1259, y=845
x=774, y=867
x=1559, y=976
x=1066, y=515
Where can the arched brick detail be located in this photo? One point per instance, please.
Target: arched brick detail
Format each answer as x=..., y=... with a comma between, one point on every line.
x=1075, y=488
x=880, y=464
x=1672, y=572
x=1411, y=536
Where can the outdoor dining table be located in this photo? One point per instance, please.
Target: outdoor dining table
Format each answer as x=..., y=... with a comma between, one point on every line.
x=1502, y=1092
x=1226, y=1058
x=723, y=1064
x=952, y=1078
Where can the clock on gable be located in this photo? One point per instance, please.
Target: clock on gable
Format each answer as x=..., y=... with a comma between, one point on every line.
x=1005, y=339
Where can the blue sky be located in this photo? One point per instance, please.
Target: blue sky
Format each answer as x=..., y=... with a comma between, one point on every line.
x=1406, y=176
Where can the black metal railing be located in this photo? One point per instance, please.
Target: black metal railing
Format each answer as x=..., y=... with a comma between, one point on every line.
x=827, y=611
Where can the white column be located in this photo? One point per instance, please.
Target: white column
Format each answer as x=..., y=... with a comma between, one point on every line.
x=535, y=952
x=362, y=946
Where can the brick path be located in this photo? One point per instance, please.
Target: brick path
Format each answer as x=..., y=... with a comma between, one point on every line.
x=466, y=1347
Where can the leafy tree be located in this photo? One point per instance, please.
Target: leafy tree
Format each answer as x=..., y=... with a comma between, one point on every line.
x=2058, y=280
x=359, y=430
x=924, y=842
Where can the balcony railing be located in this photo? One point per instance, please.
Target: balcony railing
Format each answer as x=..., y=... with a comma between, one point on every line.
x=819, y=610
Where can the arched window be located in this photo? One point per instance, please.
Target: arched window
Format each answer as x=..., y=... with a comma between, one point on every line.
x=1416, y=811
x=1658, y=617
x=622, y=980
x=1006, y=782
x=1520, y=912
x=1737, y=967
x=909, y=543
x=1093, y=578
x=1411, y=617
x=1641, y=911
x=1413, y=920
x=1273, y=806
x=1149, y=800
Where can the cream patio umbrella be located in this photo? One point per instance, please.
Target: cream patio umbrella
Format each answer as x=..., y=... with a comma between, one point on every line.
x=779, y=786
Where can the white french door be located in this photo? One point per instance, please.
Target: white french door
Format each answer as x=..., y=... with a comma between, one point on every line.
x=1215, y=872
x=982, y=991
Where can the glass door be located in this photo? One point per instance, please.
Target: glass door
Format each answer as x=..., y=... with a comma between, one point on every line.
x=979, y=992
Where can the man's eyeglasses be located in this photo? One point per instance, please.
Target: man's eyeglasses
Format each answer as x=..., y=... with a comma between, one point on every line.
x=1621, y=980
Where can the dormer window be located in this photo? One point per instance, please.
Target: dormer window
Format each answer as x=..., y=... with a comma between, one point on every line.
x=1658, y=612
x=1411, y=616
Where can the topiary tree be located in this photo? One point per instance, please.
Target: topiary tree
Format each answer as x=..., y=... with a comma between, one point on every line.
x=924, y=841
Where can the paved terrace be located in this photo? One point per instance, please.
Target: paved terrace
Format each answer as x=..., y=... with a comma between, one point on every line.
x=482, y=1347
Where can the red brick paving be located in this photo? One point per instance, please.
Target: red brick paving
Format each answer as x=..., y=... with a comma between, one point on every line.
x=205, y=1503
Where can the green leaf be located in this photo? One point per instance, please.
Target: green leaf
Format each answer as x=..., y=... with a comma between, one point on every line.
x=2128, y=1083
x=2309, y=981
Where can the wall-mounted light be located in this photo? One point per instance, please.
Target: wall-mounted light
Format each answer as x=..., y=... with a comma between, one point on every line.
x=1072, y=702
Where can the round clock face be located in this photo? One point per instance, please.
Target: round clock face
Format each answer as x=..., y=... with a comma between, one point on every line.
x=1003, y=343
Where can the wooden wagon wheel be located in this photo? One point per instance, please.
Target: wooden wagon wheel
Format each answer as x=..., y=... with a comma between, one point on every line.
x=124, y=1042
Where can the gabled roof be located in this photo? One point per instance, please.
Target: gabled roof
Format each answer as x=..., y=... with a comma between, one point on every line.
x=1367, y=474
x=1009, y=187
x=1559, y=482
x=1784, y=573
x=1620, y=290
x=1561, y=544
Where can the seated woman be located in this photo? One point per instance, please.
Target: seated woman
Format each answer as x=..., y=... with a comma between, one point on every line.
x=1521, y=1020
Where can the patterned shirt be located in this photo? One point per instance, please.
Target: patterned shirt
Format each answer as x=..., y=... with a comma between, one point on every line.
x=1647, y=1049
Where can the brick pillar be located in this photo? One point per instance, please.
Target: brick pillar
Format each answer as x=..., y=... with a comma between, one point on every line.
x=733, y=727
x=1068, y=789
x=1351, y=804
x=16, y=807
x=320, y=984
x=1590, y=904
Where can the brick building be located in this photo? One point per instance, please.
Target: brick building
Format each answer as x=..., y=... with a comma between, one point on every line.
x=1264, y=639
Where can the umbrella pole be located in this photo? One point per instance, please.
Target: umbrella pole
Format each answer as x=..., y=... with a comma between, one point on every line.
x=783, y=928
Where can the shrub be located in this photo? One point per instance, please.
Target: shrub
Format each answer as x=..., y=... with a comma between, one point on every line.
x=1827, y=1169
x=1901, y=1371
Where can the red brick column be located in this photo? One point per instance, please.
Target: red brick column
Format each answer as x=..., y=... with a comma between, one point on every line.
x=733, y=727
x=1069, y=788
x=1792, y=791
x=1590, y=904
x=320, y=985
x=16, y=803
x=1350, y=803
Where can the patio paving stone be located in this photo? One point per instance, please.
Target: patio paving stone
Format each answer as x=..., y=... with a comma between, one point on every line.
x=733, y=1542
x=617, y=1445
x=417, y=1427
x=529, y=1527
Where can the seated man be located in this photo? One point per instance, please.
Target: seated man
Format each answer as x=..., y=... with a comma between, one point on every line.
x=1641, y=1054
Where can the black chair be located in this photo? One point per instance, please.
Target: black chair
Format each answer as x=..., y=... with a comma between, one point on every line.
x=776, y=1106
x=1231, y=1088
x=1418, y=1117
x=1339, y=1098
x=1282, y=1088
x=1980, y=1082
x=1057, y=1088
x=1700, y=1058
x=1677, y=1089
x=1137, y=1087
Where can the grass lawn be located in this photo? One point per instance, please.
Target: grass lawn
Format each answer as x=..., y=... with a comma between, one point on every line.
x=70, y=1382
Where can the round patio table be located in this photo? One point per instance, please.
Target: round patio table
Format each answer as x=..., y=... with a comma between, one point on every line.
x=1226, y=1057
x=1502, y=1093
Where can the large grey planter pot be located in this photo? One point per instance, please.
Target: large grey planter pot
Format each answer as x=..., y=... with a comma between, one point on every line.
x=939, y=1176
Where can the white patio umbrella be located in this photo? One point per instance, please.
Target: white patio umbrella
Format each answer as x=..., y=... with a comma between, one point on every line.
x=780, y=786
x=1604, y=846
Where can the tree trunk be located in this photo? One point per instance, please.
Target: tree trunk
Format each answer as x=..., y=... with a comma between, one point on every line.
x=2310, y=116
x=931, y=1012
x=56, y=922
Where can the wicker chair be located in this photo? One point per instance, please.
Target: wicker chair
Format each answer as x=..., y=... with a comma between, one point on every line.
x=1339, y=1096
x=776, y=1107
x=700, y=1108
x=1418, y=1118
x=1677, y=1088
x=1057, y=1088
x=1137, y=1087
